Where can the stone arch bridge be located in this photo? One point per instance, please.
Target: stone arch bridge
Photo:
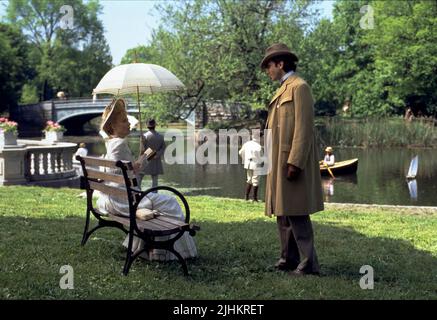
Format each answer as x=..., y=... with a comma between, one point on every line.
x=73, y=114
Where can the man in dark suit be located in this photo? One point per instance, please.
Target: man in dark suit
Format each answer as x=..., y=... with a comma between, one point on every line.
x=154, y=141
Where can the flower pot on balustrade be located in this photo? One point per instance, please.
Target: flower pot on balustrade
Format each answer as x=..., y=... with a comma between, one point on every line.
x=54, y=136
x=8, y=138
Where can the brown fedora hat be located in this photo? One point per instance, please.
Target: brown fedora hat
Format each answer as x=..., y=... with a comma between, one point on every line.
x=277, y=49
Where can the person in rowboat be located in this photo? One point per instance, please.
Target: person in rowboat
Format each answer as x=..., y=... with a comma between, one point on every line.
x=329, y=159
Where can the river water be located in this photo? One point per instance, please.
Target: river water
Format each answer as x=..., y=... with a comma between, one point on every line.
x=380, y=178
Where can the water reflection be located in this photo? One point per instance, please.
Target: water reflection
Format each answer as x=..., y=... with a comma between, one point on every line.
x=328, y=187
x=328, y=184
x=412, y=188
x=411, y=175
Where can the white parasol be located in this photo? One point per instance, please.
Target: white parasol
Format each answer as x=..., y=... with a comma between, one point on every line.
x=138, y=78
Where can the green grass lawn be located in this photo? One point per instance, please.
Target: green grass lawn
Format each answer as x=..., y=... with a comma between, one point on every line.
x=41, y=229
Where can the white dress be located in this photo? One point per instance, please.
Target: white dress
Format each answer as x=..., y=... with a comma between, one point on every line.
x=118, y=149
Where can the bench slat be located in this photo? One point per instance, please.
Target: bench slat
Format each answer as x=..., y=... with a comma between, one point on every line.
x=168, y=224
x=109, y=190
x=100, y=162
x=149, y=225
x=97, y=174
x=153, y=225
x=164, y=224
x=164, y=219
x=171, y=219
x=176, y=224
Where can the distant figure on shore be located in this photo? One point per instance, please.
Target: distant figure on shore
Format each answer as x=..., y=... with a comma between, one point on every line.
x=154, y=141
x=346, y=106
x=82, y=151
x=409, y=115
x=61, y=95
x=250, y=152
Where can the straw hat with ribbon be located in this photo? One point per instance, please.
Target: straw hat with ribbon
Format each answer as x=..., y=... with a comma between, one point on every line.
x=116, y=105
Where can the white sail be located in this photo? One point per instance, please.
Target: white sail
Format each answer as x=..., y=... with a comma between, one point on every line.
x=412, y=171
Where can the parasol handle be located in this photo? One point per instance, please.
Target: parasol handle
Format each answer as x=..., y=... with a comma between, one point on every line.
x=139, y=119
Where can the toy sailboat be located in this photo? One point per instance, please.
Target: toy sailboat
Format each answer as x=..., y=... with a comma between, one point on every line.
x=412, y=171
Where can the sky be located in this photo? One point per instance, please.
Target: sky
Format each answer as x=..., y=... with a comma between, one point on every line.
x=130, y=23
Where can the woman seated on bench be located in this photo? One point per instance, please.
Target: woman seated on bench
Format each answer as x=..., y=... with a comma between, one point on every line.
x=116, y=125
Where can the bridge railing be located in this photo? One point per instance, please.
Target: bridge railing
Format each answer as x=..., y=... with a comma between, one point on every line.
x=87, y=102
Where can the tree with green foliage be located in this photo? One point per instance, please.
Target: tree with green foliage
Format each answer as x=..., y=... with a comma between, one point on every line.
x=404, y=43
x=320, y=54
x=383, y=69
x=69, y=51
x=14, y=69
x=352, y=64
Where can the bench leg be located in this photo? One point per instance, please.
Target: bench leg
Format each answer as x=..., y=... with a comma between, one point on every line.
x=129, y=258
x=85, y=231
x=127, y=264
x=181, y=260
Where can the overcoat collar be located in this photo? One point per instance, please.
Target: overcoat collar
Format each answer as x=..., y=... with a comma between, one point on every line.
x=281, y=90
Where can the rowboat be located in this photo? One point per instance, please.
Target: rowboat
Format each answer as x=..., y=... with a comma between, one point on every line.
x=341, y=167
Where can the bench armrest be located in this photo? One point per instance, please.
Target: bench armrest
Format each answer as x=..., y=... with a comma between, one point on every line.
x=142, y=194
x=193, y=229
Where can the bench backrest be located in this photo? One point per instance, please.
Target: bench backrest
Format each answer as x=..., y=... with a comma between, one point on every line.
x=114, y=178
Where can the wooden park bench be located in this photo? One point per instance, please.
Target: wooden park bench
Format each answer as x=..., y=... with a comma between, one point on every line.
x=126, y=189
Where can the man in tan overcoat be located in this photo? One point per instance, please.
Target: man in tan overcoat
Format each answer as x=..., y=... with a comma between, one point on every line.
x=293, y=186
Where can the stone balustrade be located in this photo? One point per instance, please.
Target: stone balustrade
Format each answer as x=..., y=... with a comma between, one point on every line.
x=38, y=163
